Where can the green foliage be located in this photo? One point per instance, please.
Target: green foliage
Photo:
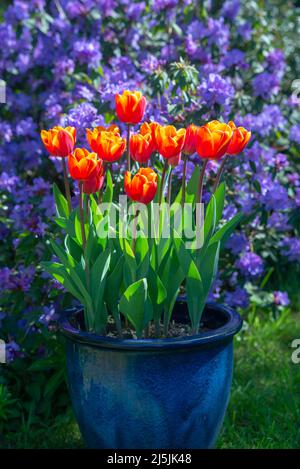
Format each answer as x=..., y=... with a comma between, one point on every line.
x=139, y=278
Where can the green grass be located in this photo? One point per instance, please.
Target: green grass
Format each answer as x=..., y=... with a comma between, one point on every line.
x=264, y=409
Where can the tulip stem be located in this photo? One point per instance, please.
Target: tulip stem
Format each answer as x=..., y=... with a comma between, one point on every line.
x=200, y=191
x=134, y=230
x=200, y=184
x=184, y=180
x=81, y=214
x=128, y=147
x=87, y=205
x=219, y=174
x=170, y=186
x=100, y=193
x=67, y=185
x=162, y=182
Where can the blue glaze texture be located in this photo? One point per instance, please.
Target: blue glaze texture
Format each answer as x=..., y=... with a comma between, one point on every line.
x=167, y=393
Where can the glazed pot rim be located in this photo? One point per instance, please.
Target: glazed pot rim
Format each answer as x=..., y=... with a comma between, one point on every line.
x=233, y=323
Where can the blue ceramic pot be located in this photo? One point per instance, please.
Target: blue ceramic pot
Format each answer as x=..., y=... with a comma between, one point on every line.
x=152, y=393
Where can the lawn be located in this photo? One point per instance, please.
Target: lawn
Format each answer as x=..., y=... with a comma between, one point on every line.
x=264, y=410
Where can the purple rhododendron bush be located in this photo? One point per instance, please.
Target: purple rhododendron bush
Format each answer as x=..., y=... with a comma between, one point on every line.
x=62, y=63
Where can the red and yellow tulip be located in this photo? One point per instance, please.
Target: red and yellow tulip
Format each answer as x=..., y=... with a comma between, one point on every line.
x=150, y=128
x=141, y=147
x=213, y=140
x=83, y=165
x=142, y=187
x=108, y=144
x=240, y=138
x=130, y=106
x=59, y=141
x=169, y=140
x=190, y=139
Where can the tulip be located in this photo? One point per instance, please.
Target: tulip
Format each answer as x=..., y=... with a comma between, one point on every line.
x=141, y=147
x=83, y=164
x=239, y=140
x=190, y=140
x=108, y=145
x=150, y=128
x=169, y=140
x=93, y=136
x=213, y=140
x=59, y=141
x=95, y=182
x=188, y=149
x=130, y=106
x=142, y=187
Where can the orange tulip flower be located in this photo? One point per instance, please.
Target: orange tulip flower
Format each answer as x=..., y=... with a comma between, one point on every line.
x=141, y=147
x=150, y=128
x=93, y=184
x=240, y=139
x=59, y=141
x=213, y=140
x=130, y=106
x=108, y=145
x=93, y=136
x=142, y=187
x=190, y=140
x=83, y=164
x=169, y=140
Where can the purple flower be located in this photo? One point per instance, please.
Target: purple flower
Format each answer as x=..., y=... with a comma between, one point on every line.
x=4, y=279
x=64, y=66
x=265, y=85
x=237, y=243
x=250, y=264
x=13, y=351
x=281, y=298
x=83, y=116
x=87, y=52
x=279, y=221
x=234, y=58
x=8, y=182
x=230, y=9
x=245, y=31
x=291, y=248
x=216, y=90
x=238, y=298
x=276, y=197
x=295, y=133
x=49, y=315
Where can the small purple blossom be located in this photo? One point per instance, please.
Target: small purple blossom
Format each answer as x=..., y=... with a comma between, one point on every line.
x=250, y=264
x=281, y=298
x=291, y=248
x=238, y=298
